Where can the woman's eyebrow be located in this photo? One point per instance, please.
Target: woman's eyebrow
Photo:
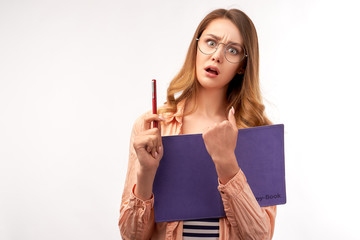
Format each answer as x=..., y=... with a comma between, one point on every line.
x=218, y=38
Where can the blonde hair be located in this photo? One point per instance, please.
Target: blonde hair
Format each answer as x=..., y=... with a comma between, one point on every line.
x=243, y=92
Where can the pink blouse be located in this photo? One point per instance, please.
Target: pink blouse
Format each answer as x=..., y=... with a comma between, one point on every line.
x=245, y=219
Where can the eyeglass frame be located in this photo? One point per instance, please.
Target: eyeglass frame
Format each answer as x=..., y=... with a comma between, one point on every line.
x=225, y=46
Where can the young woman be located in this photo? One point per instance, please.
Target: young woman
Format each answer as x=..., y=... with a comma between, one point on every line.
x=220, y=93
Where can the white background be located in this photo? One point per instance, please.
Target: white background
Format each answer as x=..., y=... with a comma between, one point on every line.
x=74, y=75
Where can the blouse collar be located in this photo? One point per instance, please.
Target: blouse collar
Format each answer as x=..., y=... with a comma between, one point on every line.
x=178, y=115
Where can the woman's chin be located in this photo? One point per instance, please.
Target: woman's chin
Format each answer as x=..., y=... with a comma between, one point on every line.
x=210, y=84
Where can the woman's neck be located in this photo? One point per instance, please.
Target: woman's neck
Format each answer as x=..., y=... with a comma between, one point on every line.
x=210, y=103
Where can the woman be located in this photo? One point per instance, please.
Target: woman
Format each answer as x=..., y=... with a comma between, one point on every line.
x=219, y=85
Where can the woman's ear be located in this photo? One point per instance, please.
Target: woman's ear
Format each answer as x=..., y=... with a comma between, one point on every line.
x=242, y=67
x=241, y=71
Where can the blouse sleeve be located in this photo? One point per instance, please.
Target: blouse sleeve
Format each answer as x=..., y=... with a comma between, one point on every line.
x=243, y=212
x=136, y=216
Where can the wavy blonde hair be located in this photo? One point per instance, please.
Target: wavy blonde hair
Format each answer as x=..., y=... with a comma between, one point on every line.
x=243, y=92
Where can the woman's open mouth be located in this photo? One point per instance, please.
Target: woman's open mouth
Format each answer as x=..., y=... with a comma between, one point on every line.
x=212, y=71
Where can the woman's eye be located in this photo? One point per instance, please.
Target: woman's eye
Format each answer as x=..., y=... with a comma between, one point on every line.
x=211, y=43
x=233, y=51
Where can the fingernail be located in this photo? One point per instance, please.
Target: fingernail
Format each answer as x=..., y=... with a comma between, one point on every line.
x=232, y=110
x=160, y=147
x=161, y=117
x=156, y=154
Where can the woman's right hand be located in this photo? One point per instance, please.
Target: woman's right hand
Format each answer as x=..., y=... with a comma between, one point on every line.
x=148, y=145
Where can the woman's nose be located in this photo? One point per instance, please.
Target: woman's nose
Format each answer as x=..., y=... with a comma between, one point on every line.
x=218, y=55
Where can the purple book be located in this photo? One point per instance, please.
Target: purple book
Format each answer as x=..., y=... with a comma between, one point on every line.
x=185, y=185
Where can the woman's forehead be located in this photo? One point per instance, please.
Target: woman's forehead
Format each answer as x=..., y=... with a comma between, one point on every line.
x=225, y=29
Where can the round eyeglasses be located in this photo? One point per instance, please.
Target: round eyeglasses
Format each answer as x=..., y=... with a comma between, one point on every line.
x=233, y=52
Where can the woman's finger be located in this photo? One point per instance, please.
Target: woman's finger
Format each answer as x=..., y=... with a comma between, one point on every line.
x=156, y=132
x=149, y=145
x=159, y=139
x=231, y=117
x=153, y=140
x=150, y=118
x=154, y=152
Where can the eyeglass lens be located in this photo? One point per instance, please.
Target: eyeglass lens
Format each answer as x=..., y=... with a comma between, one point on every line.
x=233, y=52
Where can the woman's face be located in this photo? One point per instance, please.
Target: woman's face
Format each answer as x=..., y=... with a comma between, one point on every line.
x=226, y=32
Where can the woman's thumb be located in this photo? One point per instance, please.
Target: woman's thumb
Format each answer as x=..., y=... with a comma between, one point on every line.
x=231, y=117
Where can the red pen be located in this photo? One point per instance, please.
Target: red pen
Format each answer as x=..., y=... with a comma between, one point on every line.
x=154, y=107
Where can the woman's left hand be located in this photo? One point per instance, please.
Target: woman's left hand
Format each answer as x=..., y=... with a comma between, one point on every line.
x=220, y=141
